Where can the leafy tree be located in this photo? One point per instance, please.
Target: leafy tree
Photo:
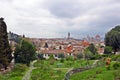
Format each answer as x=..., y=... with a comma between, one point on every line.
x=112, y=38
x=40, y=56
x=88, y=54
x=92, y=48
x=61, y=55
x=5, y=51
x=108, y=50
x=79, y=56
x=25, y=52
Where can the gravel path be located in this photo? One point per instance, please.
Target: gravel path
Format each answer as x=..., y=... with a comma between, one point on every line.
x=27, y=75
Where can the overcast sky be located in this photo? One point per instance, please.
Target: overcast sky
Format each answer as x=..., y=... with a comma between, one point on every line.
x=55, y=18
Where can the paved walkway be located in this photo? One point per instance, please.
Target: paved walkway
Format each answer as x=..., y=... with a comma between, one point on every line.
x=27, y=75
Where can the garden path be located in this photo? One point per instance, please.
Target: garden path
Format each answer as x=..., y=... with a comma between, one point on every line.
x=27, y=75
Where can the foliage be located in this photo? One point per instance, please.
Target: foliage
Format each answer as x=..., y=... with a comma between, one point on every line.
x=40, y=56
x=69, y=58
x=51, y=57
x=92, y=48
x=52, y=61
x=96, y=56
x=61, y=55
x=118, y=58
x=112, y=38
x=99, y=73
x=116, y=65
x=25, y=52
x=5, y=51
x=117, y=75
x=20, y=67
x=108, y=67
x=16, y=74
x=79, y=56
x=108, y=50
x=45, y=71
x=88, y=54
x=62, y=60
x=115, y=57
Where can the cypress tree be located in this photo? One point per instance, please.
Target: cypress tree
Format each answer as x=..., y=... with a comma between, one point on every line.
x=5, y=50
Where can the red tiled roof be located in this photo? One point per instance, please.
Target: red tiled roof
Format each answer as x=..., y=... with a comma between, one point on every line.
x=85, y=43
x=69, y=49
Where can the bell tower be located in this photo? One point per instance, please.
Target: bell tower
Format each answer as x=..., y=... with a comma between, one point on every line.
x=68, y=35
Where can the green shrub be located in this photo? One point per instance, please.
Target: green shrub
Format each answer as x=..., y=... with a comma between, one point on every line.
x=105, y=55
x=69, y=58
x=116, y=65
x=118, y=58
x=117, y=75
x=52, y=62
x=62, y=60
x=61, y=55
x=115, y=57
x=20, y=67
x=59, y=72
x=99, y=72
x=40, y=56
x=108, y=50
x=96, y=56
x=16, y=74
x=51, y=57
x=108, y=67
x=79, y=56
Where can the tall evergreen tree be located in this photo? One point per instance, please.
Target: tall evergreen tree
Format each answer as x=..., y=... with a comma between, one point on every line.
x=5, y=50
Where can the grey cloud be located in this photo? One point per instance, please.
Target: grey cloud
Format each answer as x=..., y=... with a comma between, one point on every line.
x=71, y=8
x=65, y=8
x=55, y=18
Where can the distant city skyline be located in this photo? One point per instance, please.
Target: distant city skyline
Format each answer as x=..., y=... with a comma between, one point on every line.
x=56, y=18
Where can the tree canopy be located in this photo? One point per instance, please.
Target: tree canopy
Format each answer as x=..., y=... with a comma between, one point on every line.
x=25, y=52
x=92, y=48
x=112, y=38
x=87, y=54
x=108, y=50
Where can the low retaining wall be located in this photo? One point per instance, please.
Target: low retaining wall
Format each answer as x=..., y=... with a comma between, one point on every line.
x=94, y=65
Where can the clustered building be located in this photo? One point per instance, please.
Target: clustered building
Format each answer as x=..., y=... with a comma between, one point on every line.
x=67, y=46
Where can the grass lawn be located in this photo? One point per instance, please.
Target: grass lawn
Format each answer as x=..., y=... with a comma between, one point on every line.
x=16, y=74
x=54, y=70
x=100, y=73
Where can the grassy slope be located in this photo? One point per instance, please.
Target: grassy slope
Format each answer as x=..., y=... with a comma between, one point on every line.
x=100, y=73
x=54, y=70
x=16, y=74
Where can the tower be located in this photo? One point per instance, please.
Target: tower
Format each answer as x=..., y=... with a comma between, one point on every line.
x=68, y=35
